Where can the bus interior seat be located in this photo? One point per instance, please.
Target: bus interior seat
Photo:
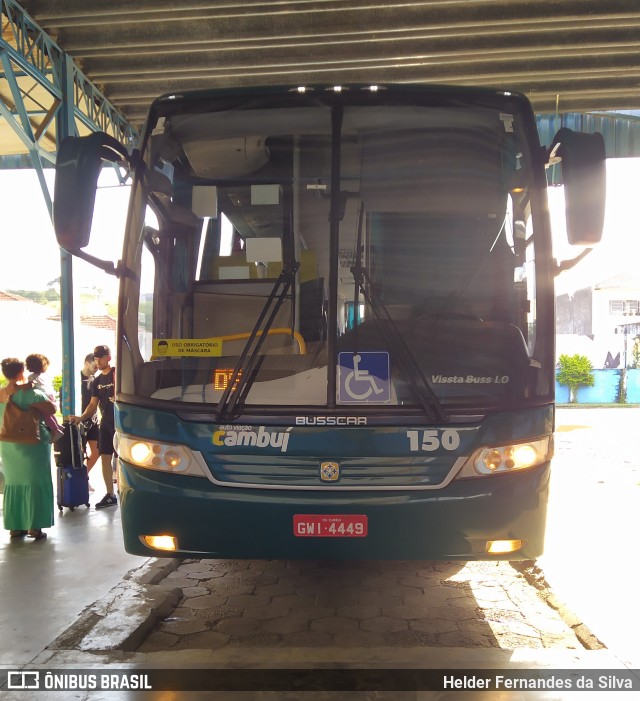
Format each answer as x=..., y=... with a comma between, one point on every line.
x=307, y=271
x=233, y=267
x=308, y=266
x=220, y=312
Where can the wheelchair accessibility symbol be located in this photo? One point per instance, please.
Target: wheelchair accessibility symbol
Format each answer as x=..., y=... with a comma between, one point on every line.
x=364, y=377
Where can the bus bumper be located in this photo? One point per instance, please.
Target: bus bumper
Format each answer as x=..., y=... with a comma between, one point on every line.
x=451, y=523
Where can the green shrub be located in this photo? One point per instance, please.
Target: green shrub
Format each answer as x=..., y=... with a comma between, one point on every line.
x=57, y=387
x=575, y=371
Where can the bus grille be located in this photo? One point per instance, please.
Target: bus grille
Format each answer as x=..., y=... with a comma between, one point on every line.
x=362, y=473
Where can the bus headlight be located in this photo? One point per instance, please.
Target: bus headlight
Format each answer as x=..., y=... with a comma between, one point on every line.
x=500, y=459
x=154, y=455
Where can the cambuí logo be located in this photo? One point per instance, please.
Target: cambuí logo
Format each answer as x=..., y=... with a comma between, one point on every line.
x=232, y=436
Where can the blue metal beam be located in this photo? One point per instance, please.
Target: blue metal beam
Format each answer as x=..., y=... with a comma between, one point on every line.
x=621, y=130
x=39, y=57
x=73, y=103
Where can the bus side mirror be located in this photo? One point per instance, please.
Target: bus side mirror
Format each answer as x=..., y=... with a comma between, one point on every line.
x=78, y=165
x=583, y=159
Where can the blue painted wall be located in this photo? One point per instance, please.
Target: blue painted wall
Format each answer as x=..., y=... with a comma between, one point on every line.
x=562, y=394
x=604, y=391
x=633, y=386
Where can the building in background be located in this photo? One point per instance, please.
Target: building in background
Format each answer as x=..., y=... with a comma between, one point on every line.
x=601, y=322
x=29, y=327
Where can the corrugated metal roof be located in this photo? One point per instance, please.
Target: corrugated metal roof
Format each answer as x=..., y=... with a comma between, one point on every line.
x=566, y=55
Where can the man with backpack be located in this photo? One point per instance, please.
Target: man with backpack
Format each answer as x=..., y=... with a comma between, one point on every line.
x=103, y=394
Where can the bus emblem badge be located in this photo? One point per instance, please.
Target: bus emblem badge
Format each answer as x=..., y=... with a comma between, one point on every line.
x=329, y=471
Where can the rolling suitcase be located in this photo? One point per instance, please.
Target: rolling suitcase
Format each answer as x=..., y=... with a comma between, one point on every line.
x=73, y=481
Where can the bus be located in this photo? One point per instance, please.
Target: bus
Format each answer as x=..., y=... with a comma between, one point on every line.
x=336, y=319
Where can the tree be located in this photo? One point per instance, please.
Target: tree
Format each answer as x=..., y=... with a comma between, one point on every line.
x=575, y=371
x=57, y=386
x=635, y=353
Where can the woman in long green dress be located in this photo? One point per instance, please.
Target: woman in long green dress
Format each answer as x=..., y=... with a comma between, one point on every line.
x=28, y=491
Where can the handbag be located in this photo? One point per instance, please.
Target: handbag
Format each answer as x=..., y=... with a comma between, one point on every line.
x=20, y=425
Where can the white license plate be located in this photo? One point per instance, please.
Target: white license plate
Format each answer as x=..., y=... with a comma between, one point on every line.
x=330, y=525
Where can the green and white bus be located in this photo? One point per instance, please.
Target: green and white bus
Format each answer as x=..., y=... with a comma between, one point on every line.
x=336, y=320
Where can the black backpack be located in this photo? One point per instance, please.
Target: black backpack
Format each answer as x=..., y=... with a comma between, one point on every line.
x=68, y=450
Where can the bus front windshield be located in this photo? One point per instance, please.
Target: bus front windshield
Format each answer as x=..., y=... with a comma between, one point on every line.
x=368, y=252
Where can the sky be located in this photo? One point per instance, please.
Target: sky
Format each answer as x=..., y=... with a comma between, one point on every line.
x=26, y=221
x=619, y=250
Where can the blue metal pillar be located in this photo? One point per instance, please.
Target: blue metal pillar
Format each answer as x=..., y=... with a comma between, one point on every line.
x=65, y=127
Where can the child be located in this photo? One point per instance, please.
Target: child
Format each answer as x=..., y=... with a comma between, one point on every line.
x=37, y=365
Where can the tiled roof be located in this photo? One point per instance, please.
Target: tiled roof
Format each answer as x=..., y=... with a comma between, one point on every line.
x=629, y=279
x=10, y=297
x=97, y=321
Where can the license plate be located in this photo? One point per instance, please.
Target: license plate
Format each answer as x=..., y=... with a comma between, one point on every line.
x=330, y=525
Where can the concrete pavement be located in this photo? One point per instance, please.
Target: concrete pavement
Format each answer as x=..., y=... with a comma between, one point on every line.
x=591, y=552
x=46, y=585
x=367, y=605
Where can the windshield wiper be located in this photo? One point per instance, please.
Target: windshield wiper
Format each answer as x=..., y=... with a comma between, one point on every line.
x=245, y=370
x=394, y=340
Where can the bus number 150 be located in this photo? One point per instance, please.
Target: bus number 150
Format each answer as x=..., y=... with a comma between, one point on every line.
x=433, y=439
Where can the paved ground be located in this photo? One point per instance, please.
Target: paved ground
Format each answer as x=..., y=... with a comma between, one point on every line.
x=591, y=555
x=46, y=584
x=399, y=604
x=595, y=498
